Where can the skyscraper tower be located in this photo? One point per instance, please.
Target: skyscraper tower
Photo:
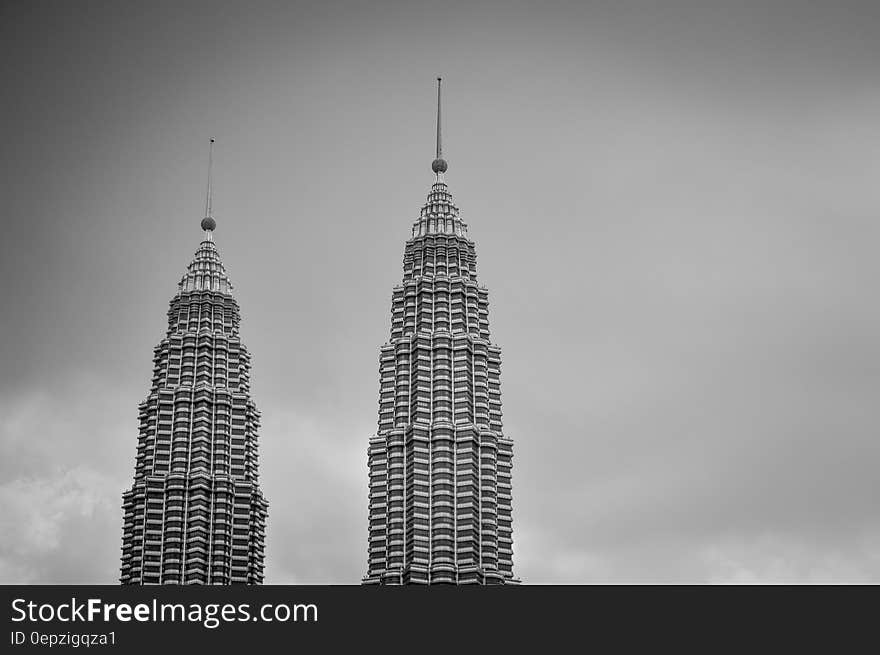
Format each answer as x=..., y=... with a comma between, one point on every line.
x=195, y=513
x=440, y=467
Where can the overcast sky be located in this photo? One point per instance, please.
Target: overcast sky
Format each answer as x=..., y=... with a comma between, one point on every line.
x=676, y=212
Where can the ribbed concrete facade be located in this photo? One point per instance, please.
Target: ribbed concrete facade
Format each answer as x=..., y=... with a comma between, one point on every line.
x=440, y=466
x=195, y=513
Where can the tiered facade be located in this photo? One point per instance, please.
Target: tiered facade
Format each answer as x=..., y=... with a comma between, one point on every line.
x=195, y=513
x=440, y=467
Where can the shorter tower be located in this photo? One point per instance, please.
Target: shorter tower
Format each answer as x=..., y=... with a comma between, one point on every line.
x=195, y=513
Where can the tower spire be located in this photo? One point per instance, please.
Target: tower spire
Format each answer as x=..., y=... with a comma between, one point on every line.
x=208, y=222
x=439, y=141
x=439, y=164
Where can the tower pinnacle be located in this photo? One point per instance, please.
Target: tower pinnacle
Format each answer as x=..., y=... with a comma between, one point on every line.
x=208, y=222
x=439, y=165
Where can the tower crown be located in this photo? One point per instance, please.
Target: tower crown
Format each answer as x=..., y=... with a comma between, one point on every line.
x=206, y=271
x=439, y=215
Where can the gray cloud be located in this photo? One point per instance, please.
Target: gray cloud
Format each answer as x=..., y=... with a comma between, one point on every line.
x=60, y=486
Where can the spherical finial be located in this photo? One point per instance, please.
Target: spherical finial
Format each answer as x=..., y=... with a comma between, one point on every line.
x=439, y=166
x=208, y=224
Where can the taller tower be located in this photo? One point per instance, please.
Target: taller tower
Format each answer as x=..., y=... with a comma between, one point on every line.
x=195, y=513
x=440, y=466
